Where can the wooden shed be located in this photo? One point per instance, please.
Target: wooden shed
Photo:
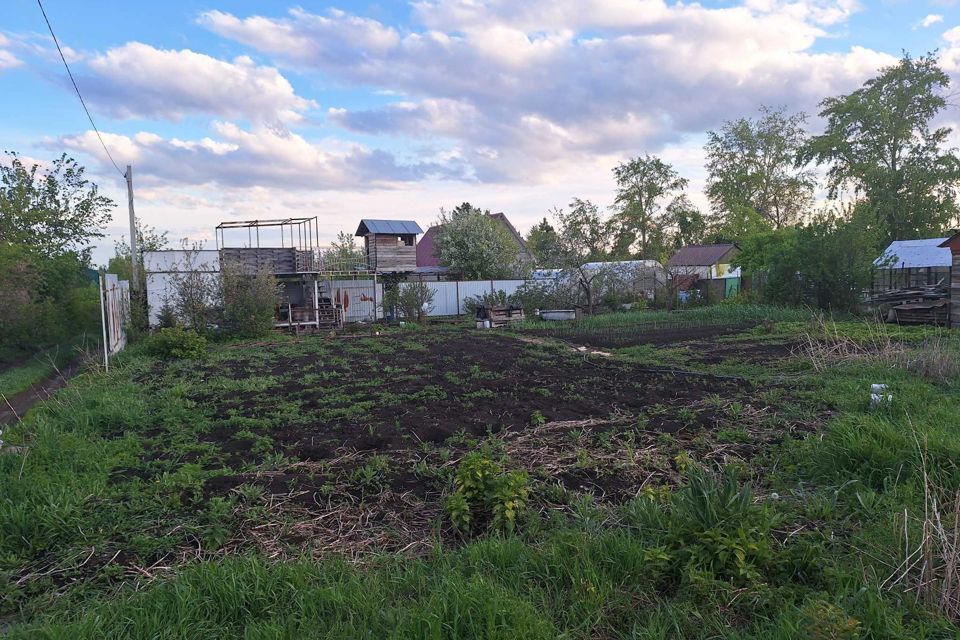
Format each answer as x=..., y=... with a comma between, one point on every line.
x=953, y=243
x=390, y=245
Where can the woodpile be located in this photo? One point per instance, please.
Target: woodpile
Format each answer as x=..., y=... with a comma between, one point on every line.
x=936, y=312
x=923, y=304
x=500, y=316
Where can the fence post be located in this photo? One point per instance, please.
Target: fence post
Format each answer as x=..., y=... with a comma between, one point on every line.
x=457, y=288
x=103, y=324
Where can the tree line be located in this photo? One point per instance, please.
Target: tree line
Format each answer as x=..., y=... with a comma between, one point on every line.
x=881, y=161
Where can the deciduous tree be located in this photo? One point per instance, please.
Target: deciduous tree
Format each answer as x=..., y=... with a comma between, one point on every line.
x=881, y=141
x=753, y=178
x=472, y=243
x=645, y=188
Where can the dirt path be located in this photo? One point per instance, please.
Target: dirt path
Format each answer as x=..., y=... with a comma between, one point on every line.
x=17, y=405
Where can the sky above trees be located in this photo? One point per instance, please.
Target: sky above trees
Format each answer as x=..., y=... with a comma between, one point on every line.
x=351, y=110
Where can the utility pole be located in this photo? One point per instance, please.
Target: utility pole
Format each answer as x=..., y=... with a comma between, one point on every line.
x=134, y=257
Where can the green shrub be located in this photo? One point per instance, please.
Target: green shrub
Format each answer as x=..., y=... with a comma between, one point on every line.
x=496, y=298
x=174, y=343
x=485, y=495
x=249, y=300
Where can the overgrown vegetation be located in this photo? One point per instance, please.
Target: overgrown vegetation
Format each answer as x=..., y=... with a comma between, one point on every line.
x=48, y=220
x=713, y=508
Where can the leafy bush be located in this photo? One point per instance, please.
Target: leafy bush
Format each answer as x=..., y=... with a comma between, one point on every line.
x=548, y=294
x=716, y=529
x=249, y=301
x=496, y=298
x=484, y=494
x=414, y=299
x=175, y=343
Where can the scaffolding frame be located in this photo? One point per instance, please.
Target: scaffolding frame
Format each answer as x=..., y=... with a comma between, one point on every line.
x=306, y=229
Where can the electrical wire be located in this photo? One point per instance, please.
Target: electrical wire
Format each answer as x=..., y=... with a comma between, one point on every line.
x=77, y=89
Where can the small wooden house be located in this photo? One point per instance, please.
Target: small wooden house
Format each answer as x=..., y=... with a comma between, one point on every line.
x=390, y=245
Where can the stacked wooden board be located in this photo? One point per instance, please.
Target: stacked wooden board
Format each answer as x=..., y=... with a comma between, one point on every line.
x=925, y=304
x=500, y=316
x=936, y=312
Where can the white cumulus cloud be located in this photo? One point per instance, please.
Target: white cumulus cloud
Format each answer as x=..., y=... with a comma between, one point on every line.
x=137, y=80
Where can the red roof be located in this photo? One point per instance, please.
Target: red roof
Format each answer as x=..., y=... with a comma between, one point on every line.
x=426, y=247
x=425, y=256
x=952, y=243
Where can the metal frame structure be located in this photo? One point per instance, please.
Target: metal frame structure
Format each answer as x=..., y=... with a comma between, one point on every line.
x=307, y=232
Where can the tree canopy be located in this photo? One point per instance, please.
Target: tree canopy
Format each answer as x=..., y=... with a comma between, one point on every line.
x=646, y=186
x=753, y=180
x=880, y=142
x=51, y=211
x=476, y=245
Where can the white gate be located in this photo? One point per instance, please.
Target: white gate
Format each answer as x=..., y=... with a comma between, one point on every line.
x=114, y=314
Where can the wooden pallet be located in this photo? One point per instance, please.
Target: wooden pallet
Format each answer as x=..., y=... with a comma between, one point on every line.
x=500, y=316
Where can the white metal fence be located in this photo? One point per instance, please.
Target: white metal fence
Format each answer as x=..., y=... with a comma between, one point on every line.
x=448, y=297
x=361, y=300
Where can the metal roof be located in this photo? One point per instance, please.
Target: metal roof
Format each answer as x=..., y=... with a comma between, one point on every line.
x=392, y=227
x=704, y=255
x=914, y=254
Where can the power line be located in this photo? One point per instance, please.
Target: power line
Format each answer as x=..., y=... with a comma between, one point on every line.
x=77, y=89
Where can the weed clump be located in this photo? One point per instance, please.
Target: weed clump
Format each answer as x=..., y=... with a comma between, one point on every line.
x=485, y=495
x=177, y=343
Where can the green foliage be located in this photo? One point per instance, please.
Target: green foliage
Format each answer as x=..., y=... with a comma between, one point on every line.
x=485, y=495
x=544, y=242
x=825, y=262
x=879, y=140
x=177, y=343
x=716, y=528
x=475, y=245
x=196, y=294
x=753, y=181
x=646, y=187
x=249, y=301
x=53, y=212
x=344, y=254
x=498, y=298
x=414, y=300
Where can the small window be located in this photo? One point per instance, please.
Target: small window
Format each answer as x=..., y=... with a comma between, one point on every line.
x=407, y=240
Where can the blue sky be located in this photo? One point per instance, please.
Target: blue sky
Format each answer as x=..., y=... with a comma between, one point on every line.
x=346, y=110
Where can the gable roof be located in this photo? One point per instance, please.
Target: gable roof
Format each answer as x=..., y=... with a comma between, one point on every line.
x=425, y=247
x=952, y=243
x=913, y=254
x=700, y=255
x=425, y=255
x=392, y=227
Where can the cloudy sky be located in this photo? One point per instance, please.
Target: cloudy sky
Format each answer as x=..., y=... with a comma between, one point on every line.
x=242, y=110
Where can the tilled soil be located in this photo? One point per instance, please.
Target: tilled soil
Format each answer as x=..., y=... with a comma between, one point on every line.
x=369, y=431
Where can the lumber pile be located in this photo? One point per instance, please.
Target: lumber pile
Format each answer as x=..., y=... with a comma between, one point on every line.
x=936, y=312
x=938, y=291
x=922, y=304
x=500, y=316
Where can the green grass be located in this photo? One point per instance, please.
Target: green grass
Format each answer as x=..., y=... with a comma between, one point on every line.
x=734, y=314
x=40, y=367
x=664, y=565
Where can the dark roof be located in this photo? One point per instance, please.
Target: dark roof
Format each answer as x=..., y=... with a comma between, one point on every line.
x=700, y=255
x=391, y=227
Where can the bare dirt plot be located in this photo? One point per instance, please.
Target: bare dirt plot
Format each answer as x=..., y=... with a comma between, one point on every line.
x=630, y=336
x=350, y=445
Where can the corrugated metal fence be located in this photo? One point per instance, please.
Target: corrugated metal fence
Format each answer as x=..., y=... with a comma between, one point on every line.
x=448, y=297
